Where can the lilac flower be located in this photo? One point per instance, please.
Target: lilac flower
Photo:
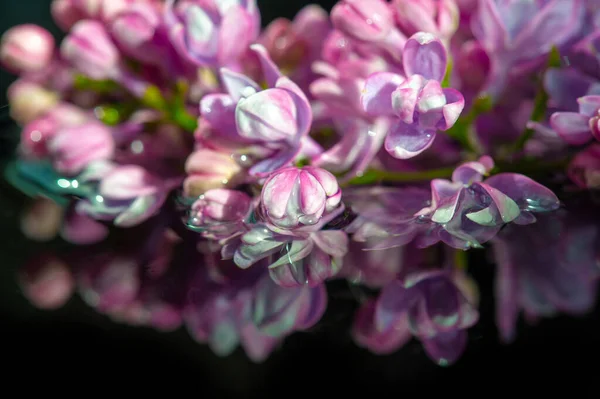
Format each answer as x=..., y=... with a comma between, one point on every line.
x=250, y=309
x=388, y=217
x=126, y=195
x=47, y=282
x=438, y=17
x=134, y=30
x=219, y=213
x=305, y=258
x=36, y=134
x=470, y=211
x=370, y=21
x=208, y=170
x=72, y=149
x=578, y=128
x=516, y=32
x=372, y=268
x=213, y=33
x=584, y=169
x=296, y=197
x=419, y=102
x=276, y=119
x=429, y=304
x=26, y=48
x=367, y=335
x=345, y=67
x=545, y=268
x=295, y=45
x=90, y=50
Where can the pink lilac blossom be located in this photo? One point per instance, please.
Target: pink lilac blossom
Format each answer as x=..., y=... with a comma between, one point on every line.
x=213, y=175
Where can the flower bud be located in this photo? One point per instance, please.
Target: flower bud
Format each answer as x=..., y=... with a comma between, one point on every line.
x=368, y=20
x=41, y=221
x=219, y=213
x=26, y=48
x=207, y=170
x=47, y=282
x=473, y=65
x=270, y=115
x=29, y=101
x=35, y=135
x=73, y=148
x=584, y=169
x=284, y=44
x=294, y=197
x=133, y=29
x=89, y=49
x=65, y=13
x=438, y=17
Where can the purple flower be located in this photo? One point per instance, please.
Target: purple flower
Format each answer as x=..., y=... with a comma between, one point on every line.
x=73, y=148
x=545, y=268
x=278, y=311
x=276, y=120
x=250, y=309
x=419, y=102
x=295, y=45
x=208, y=170
x=470, y=211
x=213, y=33
x=578, y=128
x=368, y=21
x=367, y=335
x=36, y=134
x=296, y=197
x=127, y=195
x=26, y=48
x=519, y=31
x=388, y=217
x=433, y=307
x=220, y=213
x=438, y=17
x=134, y=29
x=90, y=50
x=584, y=169
x=294, y=259
x=372, y=268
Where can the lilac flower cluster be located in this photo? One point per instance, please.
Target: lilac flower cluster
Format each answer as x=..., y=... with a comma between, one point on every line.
x=218, y=175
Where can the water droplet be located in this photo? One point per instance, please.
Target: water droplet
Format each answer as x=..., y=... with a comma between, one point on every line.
x=36, y=136
x=137, y=147
x=99, y=198
x=74, y=184
x=64, y=183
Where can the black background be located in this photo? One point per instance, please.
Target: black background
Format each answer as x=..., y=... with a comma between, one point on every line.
x=75, y=350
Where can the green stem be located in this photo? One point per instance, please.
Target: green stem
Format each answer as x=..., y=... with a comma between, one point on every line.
x=460, y=130
x=461, y=261
x=540, y=102
x=374, y=175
